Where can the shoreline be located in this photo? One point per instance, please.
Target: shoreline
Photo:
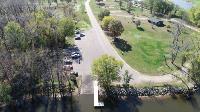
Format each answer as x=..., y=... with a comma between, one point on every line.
x=161, y=97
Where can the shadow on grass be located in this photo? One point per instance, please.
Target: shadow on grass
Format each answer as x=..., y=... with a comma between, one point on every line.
x=122, y=45
x=140, y=28
x=122, y=8
x=101, y=4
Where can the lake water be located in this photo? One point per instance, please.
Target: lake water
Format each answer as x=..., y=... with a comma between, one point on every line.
x=183, y=3
x=84, y=103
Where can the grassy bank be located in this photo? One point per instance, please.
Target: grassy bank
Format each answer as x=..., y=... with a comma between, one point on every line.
x=195, y=2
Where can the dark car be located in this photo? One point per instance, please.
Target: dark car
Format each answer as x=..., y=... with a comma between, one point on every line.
x=82, y=34
x=156, y=22
x=77, y=38
x=77, y=31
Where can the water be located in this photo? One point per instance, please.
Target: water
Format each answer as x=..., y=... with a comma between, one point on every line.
x=183, y=4
x=84, y=103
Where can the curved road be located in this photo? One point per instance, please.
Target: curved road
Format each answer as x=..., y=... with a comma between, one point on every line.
x=96, y=44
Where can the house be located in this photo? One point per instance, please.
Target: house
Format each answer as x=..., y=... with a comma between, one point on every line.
x=155, y=21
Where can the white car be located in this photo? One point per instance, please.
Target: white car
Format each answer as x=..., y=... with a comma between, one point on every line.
x=77, y=36
x=67, y=67
x=67, y=61
x=75, y=55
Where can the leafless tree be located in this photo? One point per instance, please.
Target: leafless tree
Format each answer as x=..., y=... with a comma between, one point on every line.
x=178, y=46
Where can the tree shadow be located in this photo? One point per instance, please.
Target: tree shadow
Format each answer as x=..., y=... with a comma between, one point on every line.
x=122, y=45
x=192, y=100
x=122, y=8
x=140, y=28
x=101, y=4
x=120, y=104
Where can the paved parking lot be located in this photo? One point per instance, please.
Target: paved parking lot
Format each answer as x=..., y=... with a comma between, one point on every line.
x=90, y=50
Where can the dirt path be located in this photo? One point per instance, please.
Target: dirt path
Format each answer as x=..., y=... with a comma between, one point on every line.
x=175, y=20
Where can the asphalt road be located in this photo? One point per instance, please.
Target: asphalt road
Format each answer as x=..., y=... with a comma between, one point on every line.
x=95, y=44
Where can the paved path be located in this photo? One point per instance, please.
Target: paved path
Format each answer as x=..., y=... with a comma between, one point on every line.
x=96, y=44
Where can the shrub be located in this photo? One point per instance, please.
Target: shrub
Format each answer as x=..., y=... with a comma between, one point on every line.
x=195, y=16
x=168, y=26
x=105, y=22
x=137, y=23
x=103, y=13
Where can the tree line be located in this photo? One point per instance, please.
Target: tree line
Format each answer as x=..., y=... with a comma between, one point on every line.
x=169, y=9
x=31, y=45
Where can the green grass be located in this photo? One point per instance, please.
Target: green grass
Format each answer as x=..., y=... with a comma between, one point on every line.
x=69, y=41
x=96, y=9
x=82, y=17
x=137, y=11
x=148, y=46
x=174, y=84
x=195, y=2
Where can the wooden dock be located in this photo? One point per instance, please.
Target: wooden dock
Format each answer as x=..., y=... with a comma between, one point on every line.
x=97, y=103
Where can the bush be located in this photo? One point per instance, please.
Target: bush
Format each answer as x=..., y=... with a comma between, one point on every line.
x=105, y=22
x=103, y=13
x=137, y=23
x=168, y=26
x=195, y=16
x=5, y=91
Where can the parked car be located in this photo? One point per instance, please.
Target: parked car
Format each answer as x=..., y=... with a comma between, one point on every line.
x=67, y=61
x=75, y=55
x=74, y=73
x=156, y=22
x=68, y=67
x=77, y=31
x=78, y=38
x=82, y=34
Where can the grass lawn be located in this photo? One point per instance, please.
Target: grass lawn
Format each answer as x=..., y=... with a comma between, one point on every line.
x=147, y=46
x=82, y=17
x=150, y=84
x=96, y=9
